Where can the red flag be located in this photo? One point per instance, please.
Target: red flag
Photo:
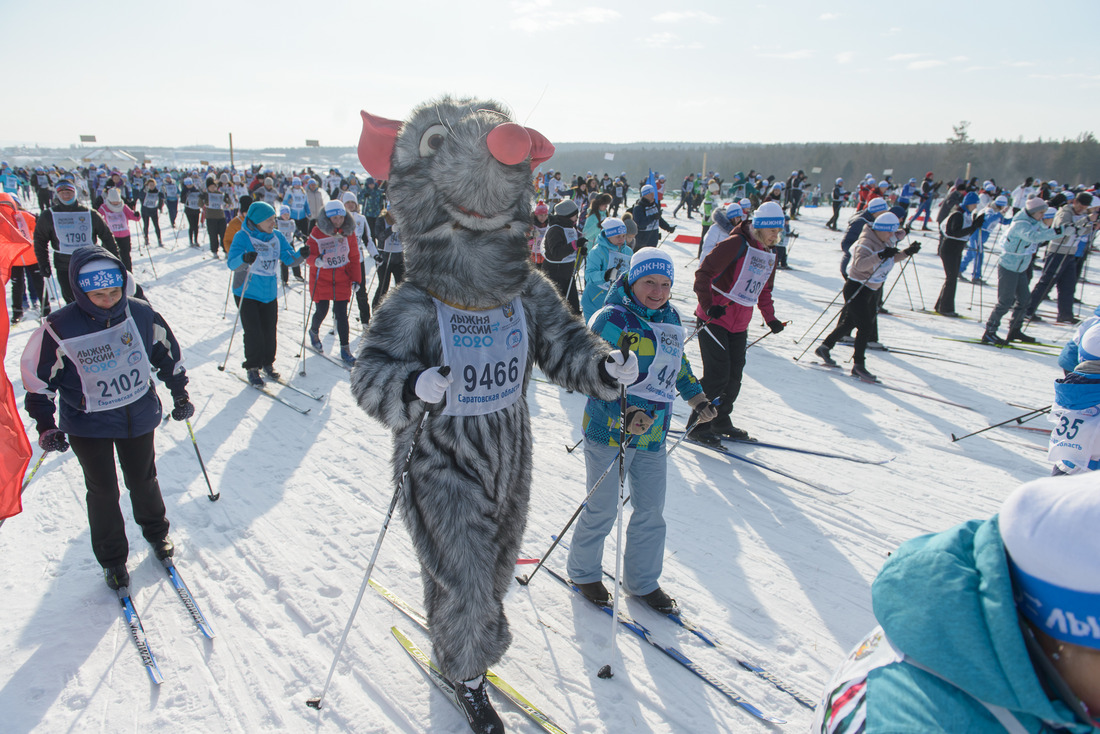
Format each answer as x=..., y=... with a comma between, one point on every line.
x=15, y=449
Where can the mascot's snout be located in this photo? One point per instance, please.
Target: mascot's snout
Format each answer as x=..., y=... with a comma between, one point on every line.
x=510, y=144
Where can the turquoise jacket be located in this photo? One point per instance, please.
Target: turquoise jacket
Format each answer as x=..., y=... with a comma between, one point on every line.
x=264, y=289
x=596, y=265
x=623, y=313
x=1023, y=235
x=945, y=601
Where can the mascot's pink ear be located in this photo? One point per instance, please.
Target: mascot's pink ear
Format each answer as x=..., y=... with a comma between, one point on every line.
x=541, y=148
x=376, y=144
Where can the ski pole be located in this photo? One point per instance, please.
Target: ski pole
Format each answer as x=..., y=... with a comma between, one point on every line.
x=1022, y=418
x=571, y=449
x=228, y=288
x=316, y=702
x=244, y=289
x=766, y=335
x=691, y=426
x=849, y=300
x=823, y=311
x=28, y=479
x=699, y=328
x=524, y=580
x=920, y=292
x=305, y=327
x=627, y=339
x=214, y=496
x=901, y=273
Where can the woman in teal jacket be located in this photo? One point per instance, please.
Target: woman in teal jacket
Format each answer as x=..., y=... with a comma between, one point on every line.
x=991, y=626
x=638, y=304
x=1023, y=237
x=607, y=259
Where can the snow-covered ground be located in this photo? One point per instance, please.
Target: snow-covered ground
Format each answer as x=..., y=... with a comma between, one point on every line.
x=778, y=571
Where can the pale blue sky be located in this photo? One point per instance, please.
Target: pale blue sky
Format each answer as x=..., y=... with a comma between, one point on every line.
x=276, y=73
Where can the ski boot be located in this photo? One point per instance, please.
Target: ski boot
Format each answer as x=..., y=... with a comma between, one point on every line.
x=822, y=353
x=473, y=699
x=163, y=548
x=346, y=355
x=254, y=378
x=315, y=341
x=858, y=370
x=269, y=370
x=117, y=577
x=661, y=602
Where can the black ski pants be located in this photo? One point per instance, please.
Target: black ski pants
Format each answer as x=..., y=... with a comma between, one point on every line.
x=258, y=322
x=723, y=355
x=860, y=309
x=137, y=458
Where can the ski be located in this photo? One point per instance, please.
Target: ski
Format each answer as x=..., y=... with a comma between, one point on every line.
x=296, y=389
x=796, y=449
x=273, y=396
x=188, y=601
x=767, y=467
x=979, y=342
x=642, y=632
x=337, y=362
x=727, y=651
x=495, y=680
x=137, y=634
x=926, y=355
x=888, y=386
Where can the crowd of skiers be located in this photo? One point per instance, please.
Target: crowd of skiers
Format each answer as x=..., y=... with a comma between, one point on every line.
x=1042, y=659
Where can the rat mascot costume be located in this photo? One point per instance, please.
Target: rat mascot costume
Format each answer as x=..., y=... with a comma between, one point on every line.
x=460, y=189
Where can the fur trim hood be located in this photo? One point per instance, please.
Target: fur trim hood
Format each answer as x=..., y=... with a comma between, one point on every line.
x=347, y=228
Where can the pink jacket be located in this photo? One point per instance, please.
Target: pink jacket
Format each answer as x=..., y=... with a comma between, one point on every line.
x=119, y=227
x=716, y=269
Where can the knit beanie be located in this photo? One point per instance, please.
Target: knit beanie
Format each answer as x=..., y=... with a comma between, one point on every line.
x=565, y=208
x=260, y=211
x=1049, y=530
x=768, y=216
x=650, y=260
x=876, y=205
x=888, y=222
x=335, y=208
x=1035, y=204
x=99, y=273
x=613, y=226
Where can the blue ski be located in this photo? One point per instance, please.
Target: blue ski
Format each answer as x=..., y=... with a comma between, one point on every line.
x=188, y=601
x=642, y=632
x=137, y=634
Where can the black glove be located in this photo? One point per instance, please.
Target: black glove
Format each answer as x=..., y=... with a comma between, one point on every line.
x=672, y=229
x=582, y=251
x=776, y=326
x=609, y=275
x=249, y=257
x=183, y=408
x=53, y=439
x=303, y=251
x=913, y=249
x=44, y=269
x=378, y=260
x=582, y=242
x=979, y=219
x=887, y=253
x=716, y=311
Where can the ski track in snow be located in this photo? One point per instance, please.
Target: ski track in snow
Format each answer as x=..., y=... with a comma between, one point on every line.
x=776, y=570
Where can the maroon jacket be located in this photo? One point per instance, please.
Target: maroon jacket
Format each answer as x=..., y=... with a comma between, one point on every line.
x=715, y=269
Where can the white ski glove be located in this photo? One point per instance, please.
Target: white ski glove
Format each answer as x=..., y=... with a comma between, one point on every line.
x=432, y=385
x=623, y=371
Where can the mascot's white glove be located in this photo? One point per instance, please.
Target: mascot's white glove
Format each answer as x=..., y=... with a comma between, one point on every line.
x=432, y=385
x=622, y=370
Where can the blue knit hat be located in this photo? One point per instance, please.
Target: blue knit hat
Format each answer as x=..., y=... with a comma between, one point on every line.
x=734, y=210
x=970, y=198
x=260, y=211
x=650, y=260
x=99, y=273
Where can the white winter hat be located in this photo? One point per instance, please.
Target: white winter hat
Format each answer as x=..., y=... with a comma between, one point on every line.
x=1049, y=530
x=1088, y=349
x=887, y=222
x=347, y=197
x=613, y=226
x=650, y=260
x=335, y=208
x=877, y=205
x=768, y=216
x=734, y=210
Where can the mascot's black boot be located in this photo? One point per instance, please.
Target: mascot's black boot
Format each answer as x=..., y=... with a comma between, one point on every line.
x=479, y=710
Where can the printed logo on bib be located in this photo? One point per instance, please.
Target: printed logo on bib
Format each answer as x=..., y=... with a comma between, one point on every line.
x=116, y=221
x=487, y=352
x=111, y=364
x=73, y=230
x=658, y=384
x=267, y=256
x=1074, y=437
x=333, y=252
x=756, y=268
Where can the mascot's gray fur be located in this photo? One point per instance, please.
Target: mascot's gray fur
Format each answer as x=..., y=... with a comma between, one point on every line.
x=464, y=217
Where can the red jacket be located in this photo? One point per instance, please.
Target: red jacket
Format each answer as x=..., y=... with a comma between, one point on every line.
x=333, y=284
x=715, y=270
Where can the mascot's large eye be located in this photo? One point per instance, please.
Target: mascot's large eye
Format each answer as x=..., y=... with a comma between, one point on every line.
x=432, y=140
